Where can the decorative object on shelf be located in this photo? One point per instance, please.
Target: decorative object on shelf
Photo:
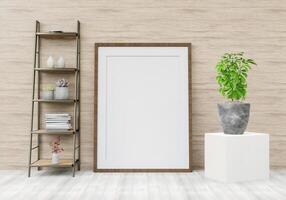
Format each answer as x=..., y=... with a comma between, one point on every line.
x=54, y=31
x=62, y=89
x=48, y=92
x=55, y=158
x=56, y=149
x=232, y=72
x=60, y=62
x=50, y=62
x=58, y=121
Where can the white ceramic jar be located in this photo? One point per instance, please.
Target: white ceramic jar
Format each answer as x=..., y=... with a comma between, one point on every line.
x=60, y=62
x=61, y=93
x=47, y=95
x=50, y=62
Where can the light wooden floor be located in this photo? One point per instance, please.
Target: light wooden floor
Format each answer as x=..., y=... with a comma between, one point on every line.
x=132, y=186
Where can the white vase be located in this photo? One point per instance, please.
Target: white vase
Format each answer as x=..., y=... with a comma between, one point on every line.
x=60, y=62
x=50, y=62
x=47, y=95
x=55, y=158
x=61, y=93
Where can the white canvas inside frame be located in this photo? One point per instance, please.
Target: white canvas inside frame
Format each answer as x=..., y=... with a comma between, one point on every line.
x=143, y=119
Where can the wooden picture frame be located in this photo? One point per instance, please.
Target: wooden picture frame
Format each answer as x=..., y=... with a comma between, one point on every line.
x=97, y=46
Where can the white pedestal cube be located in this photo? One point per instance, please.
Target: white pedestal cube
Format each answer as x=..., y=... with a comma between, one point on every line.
x=233, y=158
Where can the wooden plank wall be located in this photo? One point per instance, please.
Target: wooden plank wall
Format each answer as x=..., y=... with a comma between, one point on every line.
x=213, y=27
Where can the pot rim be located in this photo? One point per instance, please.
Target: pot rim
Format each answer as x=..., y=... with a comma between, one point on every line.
x=234, y=102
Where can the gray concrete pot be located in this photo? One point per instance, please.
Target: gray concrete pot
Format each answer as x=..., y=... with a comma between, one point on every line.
x=234, y=117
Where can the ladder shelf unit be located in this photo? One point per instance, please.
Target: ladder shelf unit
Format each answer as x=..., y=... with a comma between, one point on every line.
x=36, y=101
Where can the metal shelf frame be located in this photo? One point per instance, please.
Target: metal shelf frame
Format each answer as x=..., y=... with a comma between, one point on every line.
x=36, y=130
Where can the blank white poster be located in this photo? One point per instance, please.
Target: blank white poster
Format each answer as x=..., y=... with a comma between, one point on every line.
x=143, y=118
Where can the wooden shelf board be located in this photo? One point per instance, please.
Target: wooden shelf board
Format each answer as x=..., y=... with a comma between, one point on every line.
x=56, y=36
x=48, y=163
x=53, y=132
x=56, y=70
x=56, y=100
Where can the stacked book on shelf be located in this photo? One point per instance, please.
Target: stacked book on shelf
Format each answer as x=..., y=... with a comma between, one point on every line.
x=58, y=121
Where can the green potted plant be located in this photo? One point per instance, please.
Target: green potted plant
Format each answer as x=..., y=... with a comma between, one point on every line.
x=232, y=70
